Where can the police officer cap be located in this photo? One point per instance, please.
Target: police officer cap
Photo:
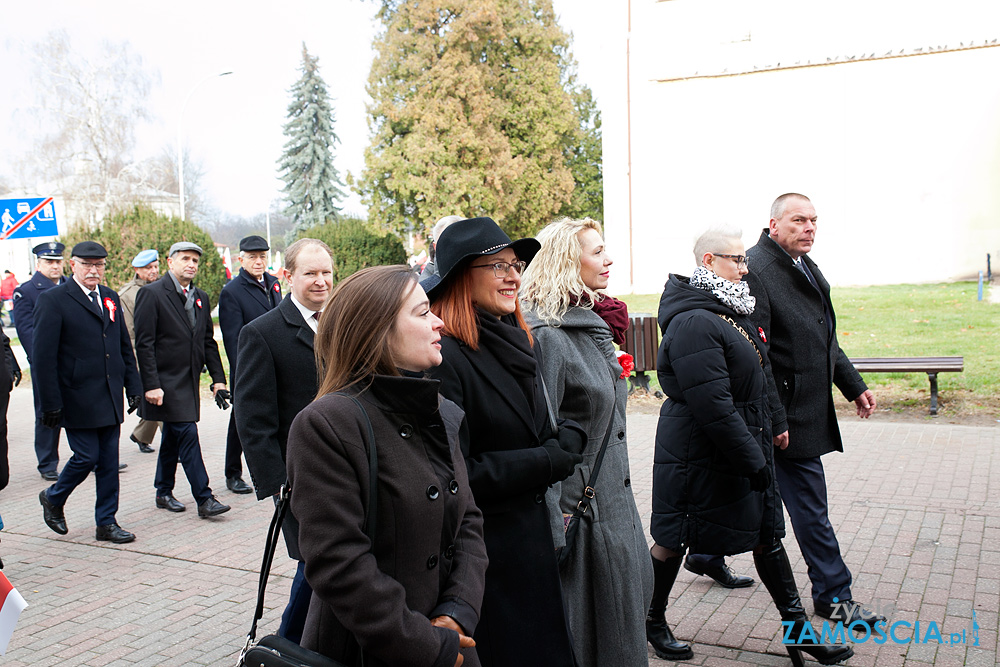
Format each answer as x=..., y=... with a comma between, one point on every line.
x=145, y=258
x=184, y=245
x=89, y=250
x=50, y=249
x=253, y=244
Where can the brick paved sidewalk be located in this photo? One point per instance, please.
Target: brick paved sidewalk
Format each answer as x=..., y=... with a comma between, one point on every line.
x=915, y=506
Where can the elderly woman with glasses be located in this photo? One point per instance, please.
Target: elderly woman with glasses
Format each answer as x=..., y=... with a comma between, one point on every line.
x=713, y=470
x=490, y=370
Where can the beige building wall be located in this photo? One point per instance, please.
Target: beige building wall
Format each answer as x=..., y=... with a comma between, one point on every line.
x=898, y=149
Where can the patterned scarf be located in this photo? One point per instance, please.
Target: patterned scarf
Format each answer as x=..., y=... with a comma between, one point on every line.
x=735, y=295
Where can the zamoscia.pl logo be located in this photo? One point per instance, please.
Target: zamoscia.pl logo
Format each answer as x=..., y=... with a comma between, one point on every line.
x=860, y=630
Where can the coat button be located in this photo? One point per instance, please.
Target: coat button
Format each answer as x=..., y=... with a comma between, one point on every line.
x=821, y=320
x=432, y=562
x=539, y=499
x=453, y=487
x=449, y=553
x=621, y=434
x=432, y=492
x=405, y=430
x=628, y=481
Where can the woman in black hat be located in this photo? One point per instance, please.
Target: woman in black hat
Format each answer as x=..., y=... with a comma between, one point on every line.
x=512, y=451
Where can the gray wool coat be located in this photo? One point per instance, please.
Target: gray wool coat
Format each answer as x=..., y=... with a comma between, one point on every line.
x=806, y=360
x=608, y=578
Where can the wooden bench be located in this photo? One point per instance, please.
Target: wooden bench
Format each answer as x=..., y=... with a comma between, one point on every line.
x=642, y=341
x=930, y=365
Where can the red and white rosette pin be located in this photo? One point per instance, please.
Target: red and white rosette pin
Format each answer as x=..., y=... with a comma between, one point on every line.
x=760, y=330
x=198, y=302
x=277, y=288
x=111, y=307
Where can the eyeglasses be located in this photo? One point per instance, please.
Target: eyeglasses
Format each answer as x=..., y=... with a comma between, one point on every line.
x=501, y=269
x=94, y=265
x=741, y=260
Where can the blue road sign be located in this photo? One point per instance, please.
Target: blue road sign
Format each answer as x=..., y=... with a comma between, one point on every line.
x=27, y=218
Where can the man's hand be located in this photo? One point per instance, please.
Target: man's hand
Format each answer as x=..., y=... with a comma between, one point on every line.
x=52, y=418
x=222, y=396
x=866, y=404
x=133, y=403
x=463, y=641
x=15, y=377
x=781, y=441
x=154, y=396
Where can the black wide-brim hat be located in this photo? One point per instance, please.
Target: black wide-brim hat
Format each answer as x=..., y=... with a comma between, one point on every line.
x=475, y=237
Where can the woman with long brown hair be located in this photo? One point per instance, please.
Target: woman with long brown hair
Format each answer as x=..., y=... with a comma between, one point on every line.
x=412, y=597
x=513, y=450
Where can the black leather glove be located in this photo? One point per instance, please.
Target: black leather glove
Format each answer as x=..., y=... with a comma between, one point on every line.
x=52, y=418
x=133, y=403
x=15, y=377
x=572, y=440
x=760, y=480
x=563, y=463
x=222, y=399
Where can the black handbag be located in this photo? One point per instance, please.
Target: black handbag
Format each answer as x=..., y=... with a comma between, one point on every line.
x=273, y=650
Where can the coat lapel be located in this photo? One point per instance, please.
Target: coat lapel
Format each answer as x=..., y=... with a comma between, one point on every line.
x=294, y=319
x=498, y=377
x=173, y=297
x=258, y=291
x=77, y=294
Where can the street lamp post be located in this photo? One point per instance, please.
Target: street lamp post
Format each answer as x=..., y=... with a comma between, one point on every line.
x=180, y=145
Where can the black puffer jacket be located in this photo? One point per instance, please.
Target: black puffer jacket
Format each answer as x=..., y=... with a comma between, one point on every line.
x=714, y=430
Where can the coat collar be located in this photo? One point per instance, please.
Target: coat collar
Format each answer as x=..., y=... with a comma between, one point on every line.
x=294, y=319
x=168, y=283
x=76, y=293
x=43, y=283
x=260, y=291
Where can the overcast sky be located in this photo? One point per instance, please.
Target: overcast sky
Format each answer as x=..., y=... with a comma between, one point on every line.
x=233, y=124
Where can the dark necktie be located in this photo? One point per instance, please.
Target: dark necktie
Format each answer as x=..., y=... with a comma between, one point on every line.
x=316, y=316
x=97, y=302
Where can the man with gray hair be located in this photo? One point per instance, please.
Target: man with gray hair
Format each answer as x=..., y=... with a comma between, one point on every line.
x=174, y=338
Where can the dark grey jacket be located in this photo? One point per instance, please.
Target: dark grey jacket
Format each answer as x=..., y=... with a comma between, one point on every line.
x=806, y=359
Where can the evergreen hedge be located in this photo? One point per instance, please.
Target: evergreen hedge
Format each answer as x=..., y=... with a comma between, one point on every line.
x=356, y=245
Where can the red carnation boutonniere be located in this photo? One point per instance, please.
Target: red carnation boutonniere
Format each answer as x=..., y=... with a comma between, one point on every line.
x=198, y=302
x=627, y=363
x=760, y=330
x=276, y=288
x=111, y=307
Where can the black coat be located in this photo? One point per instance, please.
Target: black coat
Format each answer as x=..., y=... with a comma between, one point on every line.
x=9, y=366
x=25, y=296
x=806, y=359
x=523, y=619
x=713, y=432
x=83, y=360
x=242, y=301
x=277, y=378
x=170, y=353
x=428, y=558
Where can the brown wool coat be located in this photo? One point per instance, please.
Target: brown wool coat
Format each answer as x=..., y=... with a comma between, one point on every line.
x=429, y=557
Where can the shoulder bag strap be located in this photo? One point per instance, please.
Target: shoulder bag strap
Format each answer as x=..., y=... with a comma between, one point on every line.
x=284, y=497
x=591, y=490
x=745, y=335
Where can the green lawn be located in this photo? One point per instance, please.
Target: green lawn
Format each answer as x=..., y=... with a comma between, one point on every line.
x=910, y=321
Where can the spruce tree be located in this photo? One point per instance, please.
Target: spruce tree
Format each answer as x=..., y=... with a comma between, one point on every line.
x=311, y=180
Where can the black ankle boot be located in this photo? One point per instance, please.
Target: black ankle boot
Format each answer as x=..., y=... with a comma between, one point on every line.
x=776, y=575
x=658, y=633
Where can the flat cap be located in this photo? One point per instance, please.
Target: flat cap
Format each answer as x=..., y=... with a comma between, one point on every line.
x=49, y=249
x=89, y=250
x=145, y=258
x=253, y=244
x=184, y=245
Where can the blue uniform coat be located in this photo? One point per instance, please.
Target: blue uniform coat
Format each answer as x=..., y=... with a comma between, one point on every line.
x=83, y=359
x=25, y=297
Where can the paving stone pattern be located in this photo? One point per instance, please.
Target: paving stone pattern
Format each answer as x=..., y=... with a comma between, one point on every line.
x=916, y=508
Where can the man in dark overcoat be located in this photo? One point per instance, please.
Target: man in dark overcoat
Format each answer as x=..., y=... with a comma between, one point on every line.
x=147, y=270
x=246, y=297
x=796, y=317
x=174, y=338
x=276, y=379
x=84, y=362
x=48, y=274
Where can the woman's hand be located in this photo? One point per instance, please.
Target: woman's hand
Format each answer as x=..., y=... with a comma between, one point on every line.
x=463, y=641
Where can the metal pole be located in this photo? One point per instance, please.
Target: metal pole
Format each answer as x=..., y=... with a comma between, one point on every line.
x=980, y=286
x=180, y=147
x=267, y=222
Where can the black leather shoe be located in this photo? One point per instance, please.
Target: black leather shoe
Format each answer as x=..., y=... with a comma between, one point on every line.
x=114, y=533
x=169, y=503
x=723, y=576
x=53, y=515
x=212, y=507
x=50, y=475
x=143, y=447
x=237, y=485
x=847, y=611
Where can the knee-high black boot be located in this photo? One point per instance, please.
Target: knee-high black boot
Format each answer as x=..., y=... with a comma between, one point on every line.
x=776, y=574
x=658, y=633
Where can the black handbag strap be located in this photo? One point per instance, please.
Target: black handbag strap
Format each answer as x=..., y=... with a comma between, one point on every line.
x=284, y=498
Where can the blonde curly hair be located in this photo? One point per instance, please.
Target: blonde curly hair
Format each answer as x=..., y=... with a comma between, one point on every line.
x=552, y=283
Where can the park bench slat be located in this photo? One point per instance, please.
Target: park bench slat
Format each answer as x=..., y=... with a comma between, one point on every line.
x=930, y=365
